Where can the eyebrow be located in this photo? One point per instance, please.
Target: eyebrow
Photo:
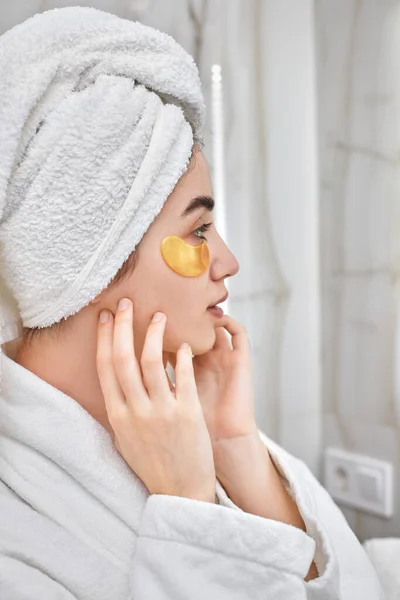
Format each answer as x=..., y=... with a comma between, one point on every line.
x=198, y=202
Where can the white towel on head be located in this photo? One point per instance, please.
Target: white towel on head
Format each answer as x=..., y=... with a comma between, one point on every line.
x=98, y=116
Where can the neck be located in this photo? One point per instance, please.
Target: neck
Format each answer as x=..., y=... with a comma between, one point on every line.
x=70, y=366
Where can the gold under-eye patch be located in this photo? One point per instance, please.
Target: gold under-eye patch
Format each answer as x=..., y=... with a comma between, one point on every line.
x=183, y=258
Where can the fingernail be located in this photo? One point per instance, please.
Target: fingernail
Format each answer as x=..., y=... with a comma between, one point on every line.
x=103, y=316
x=185, y=346
x=123, y=304
x=157, y=317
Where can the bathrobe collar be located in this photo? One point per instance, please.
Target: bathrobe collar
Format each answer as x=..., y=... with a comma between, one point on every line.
x=63, y=463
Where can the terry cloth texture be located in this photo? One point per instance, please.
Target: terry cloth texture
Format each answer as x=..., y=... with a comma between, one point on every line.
x=76, y=523
x=98, y=117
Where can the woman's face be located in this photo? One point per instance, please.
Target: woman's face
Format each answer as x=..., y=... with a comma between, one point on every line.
x=153, y=286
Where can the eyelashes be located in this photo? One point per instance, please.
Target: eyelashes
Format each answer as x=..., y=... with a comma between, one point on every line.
x=203, y=229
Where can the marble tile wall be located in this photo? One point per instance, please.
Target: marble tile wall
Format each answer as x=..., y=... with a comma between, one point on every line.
x=357, y=52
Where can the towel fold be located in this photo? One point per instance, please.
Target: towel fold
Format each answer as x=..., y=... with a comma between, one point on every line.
x=98, y=117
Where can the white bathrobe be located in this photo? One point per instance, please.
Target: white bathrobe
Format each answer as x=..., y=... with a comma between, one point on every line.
x=77, y=524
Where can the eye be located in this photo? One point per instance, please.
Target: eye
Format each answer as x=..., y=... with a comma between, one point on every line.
x=203, y=228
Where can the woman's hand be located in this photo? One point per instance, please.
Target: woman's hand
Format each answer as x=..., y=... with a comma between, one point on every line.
x=225, y=385
x=242, y=462
x=160, y=432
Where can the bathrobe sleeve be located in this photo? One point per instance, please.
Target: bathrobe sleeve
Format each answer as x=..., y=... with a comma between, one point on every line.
x=192, y=549
x=189, y=549
x=345, y=572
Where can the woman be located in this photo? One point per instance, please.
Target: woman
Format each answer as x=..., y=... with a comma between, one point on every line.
x=114, y=483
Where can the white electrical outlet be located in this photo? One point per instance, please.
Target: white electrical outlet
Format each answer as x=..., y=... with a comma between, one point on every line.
x=359, y=481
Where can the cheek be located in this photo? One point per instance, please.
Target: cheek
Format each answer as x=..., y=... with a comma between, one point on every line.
x=183, y=298
x=184, y=301
x=155, y=286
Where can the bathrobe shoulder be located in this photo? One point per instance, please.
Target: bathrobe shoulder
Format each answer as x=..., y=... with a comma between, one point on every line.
x=77, y=524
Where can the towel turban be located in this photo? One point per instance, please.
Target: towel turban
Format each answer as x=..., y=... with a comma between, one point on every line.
x=98, y=117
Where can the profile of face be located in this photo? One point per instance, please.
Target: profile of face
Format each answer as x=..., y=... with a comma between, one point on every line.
x=154, y=286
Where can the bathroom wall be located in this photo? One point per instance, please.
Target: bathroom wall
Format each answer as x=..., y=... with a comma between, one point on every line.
x=357, y=51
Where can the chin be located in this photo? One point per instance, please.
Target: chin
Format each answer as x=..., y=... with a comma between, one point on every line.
x=204, y=344
x=200, y=337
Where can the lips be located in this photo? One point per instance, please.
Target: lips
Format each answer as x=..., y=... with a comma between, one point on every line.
x=219, y=301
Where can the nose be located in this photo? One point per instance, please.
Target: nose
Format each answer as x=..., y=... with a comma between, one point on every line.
x=223, y=261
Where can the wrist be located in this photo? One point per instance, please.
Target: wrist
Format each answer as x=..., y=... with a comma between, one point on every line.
x=242, y=466
x=233, y=454
x=251, y=480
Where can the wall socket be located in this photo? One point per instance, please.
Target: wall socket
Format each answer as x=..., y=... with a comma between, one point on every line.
x=359, y=481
